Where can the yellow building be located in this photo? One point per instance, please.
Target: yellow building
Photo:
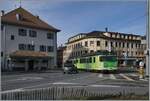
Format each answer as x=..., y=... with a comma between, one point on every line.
x=122, y=44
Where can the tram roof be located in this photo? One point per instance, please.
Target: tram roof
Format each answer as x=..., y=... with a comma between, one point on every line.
x=101, y=53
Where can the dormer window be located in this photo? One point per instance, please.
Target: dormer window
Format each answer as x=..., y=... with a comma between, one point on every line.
x=18, y=17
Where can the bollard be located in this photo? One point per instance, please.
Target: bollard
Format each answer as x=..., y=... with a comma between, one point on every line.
x=141, y=70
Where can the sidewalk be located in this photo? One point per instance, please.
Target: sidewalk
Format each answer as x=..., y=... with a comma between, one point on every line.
x=28, y=72
x=127, y=69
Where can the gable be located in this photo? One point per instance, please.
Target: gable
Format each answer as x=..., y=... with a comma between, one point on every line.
x=21, y=17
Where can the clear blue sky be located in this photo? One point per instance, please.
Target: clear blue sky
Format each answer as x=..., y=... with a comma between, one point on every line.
x=77, y=16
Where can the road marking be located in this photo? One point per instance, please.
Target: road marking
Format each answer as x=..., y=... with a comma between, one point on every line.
x=25, y=78
x=103, y=86
x=143, y=80
x=81, y=77
x=112, y=76
x=6, y=91
x=100, y=75
x=65, y=83
x=133, y=74
x=124, y=76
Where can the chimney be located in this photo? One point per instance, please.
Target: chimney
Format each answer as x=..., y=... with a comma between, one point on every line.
x=106, y=29
x=2, y=12
x=37, y=17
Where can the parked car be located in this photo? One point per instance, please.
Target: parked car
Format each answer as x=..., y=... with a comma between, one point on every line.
x=69, y=68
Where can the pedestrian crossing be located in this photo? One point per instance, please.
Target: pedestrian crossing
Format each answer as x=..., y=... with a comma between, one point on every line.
x=128, y=77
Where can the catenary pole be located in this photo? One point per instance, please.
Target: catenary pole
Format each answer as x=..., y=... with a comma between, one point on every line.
x=148, y=40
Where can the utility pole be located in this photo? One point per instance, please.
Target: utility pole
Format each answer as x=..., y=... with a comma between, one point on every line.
x=147, y=40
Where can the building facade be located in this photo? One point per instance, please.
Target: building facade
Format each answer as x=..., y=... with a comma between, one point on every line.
x=28, y=43
x=60, y=51
x=126, y=46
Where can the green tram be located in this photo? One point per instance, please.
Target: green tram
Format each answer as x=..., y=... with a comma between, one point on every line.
x=96, y=62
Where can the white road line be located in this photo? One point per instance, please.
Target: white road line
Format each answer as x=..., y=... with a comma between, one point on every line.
x=64, y=83
x=133, y=74
x=143, y=80
x=100, y=75
x=103, y=86
x=124, y=76
x=24, y=78
x=20, y=89
x=112, y=76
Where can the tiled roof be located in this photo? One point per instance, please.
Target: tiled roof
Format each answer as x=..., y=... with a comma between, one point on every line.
x=29, y=54
x=26, y=19
x=100, y=34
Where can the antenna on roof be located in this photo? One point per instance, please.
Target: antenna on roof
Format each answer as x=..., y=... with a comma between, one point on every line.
x=106, y=29
x=19, y=2
x=15, y=6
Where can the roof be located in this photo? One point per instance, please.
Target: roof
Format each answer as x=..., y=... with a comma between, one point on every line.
x=29, y=54
x=100, y=34
x=100, y=53
x=27, y=20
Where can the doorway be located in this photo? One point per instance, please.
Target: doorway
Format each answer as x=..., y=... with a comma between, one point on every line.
x=30, y=65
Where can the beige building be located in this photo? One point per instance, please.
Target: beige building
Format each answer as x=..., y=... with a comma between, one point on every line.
x=28, y=43
x=122, y=44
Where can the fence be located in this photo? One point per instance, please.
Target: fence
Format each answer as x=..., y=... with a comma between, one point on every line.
x=57, y=93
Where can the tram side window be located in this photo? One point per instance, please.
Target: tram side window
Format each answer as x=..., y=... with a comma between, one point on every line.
x=94, y=59
x=100, y=59
x=83, y=60
x=90, y=60
x=76, y=61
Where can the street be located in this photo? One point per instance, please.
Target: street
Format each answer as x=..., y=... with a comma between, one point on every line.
x=27, y=81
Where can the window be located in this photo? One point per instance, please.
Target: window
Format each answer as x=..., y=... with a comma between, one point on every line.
x=91, y=51
x=18, y=17
x=86, y=43
x=12, y=37
x=2, y=27
x=42, y=48
x=30, y=47
x=91, y=42
x=32, y=33
x=119, y=44
x=85, y=51
x=106, y=43
x=127, y=45
x=22, y=47
x=50, y=35
x=22, y=32
x=136, y=45
x=123, y=44
x=131, y=45
x=98, y=43
x=50, y=48
x=136, y=53
x=94, y=59
x=1, y=54
x=116, y=44
x=131, y=53
x=111, y=44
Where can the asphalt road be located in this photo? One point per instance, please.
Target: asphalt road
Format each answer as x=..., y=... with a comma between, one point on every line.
x=27, y=81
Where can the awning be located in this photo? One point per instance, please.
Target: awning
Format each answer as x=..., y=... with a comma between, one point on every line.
x=29, y=54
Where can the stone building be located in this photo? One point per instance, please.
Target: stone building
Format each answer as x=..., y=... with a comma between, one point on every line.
x=128, y=47
x=28, y=43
